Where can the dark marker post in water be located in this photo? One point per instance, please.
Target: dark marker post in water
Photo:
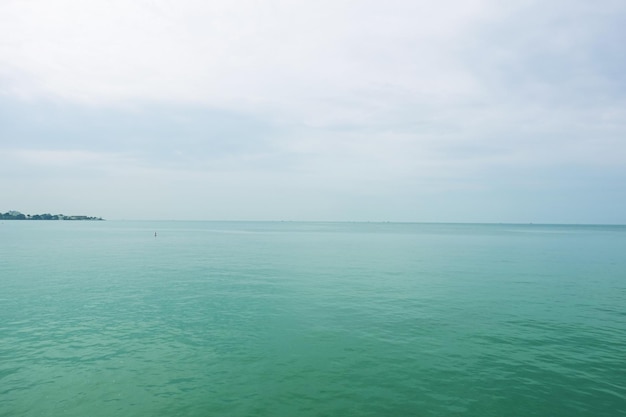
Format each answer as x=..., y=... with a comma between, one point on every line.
x=154, y=234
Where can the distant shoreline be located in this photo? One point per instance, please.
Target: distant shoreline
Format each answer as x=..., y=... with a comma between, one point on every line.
x=16, y=215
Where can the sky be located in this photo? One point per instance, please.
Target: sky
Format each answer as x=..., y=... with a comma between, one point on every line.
x=342, y=110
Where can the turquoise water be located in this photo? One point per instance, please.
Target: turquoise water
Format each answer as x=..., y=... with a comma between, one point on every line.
x=311, y=319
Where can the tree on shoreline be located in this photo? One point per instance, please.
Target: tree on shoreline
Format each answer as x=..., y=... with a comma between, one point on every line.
x=16, y=215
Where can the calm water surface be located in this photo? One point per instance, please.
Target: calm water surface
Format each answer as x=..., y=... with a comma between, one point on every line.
x=311, y=319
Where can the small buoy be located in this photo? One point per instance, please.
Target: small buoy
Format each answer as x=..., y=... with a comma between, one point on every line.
x=154, y=234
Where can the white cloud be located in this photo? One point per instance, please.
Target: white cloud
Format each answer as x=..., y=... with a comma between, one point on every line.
x=62, y=164
x=238, y=53
x=329, y=102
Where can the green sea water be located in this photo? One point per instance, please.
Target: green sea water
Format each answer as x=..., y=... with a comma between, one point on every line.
x=311, y=319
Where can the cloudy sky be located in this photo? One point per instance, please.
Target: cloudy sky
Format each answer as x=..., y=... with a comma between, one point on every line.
x=396, y=110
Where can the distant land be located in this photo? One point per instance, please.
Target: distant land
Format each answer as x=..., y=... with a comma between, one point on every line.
x=16, y=215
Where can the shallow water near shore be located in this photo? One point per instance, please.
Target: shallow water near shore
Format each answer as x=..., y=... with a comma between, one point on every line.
x=311, y=319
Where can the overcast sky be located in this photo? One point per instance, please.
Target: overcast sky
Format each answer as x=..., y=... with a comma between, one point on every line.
x=396, y=110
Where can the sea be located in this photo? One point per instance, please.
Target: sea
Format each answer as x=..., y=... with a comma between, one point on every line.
x=190, y=319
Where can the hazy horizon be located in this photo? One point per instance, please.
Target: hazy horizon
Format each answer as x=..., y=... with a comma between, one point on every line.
x=399, y=222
